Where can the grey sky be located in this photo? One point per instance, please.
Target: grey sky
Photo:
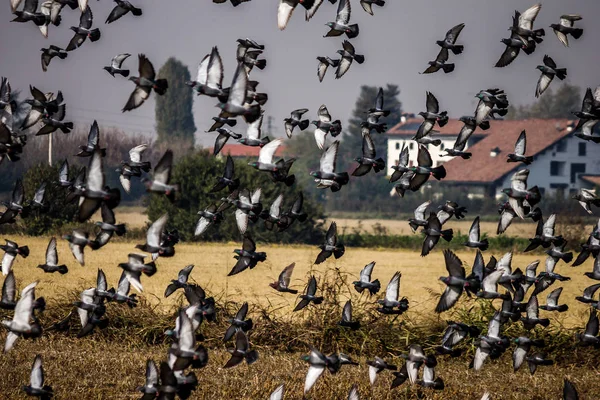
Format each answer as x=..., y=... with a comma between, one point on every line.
x=397, y=43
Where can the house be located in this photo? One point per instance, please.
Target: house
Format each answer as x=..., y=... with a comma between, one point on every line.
x=401, y=135
x=243, y=151
x=561, y=161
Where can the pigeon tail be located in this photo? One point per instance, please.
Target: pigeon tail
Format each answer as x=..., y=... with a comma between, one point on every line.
x=62, y=269
x=120, y=229
x=261, y=98
x=561, y=73
x=443, y=120
x=447, y=234
x=359, y=58
x=457, y=49
x=289, y=181
x=23, y=251
x=353, y=31
x=567, y=257
x=251, y=357
x=149, y=269
x=338, y=252
x=161, y=86
x=529, y=48
x=375, y=288
x=562, y=308
x=439, y=173
x=484, y=244
x=124, y=73
x=94, y=35
x=544, y=322
x=576, y=33
x=447, y=69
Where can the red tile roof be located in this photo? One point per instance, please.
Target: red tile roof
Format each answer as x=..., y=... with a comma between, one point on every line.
x=593, y=179
x=483, y=168
x=410, y=126
x=240, y=150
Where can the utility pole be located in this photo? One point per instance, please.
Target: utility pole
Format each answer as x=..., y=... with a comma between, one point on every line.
x=270, y=124
x=50, y=149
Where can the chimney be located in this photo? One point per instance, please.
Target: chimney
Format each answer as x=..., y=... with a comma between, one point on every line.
x=494, y=152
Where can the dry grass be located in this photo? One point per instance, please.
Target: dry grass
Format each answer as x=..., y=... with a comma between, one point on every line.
x=111, y=364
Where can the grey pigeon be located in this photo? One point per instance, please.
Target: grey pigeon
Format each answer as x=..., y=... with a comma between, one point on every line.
x=518, y=194
x=440, y=62
x=236, y=102
x=326, y=177
x=524, y=344
x=29, y=13
x=54, y=121
x=209, y=78
x=429, y=379
x=180, y=282
x=586, y=199
x=9, y=292
x=348, y=55
x=455, y=282
x=84, y=30
x=565, y=28
x=433, y=232
x=96, y=193
x=78, y=240
x=532, y=319
x=134, y=267
x=317, y=364
x=241, y=352
x=309, y=296
x=324, y=64
x=227, y=180
x=524, y=25
x=247, y=256
x=419, y=219
x=295, y=120
x=154, y=243
x=402, y=166
x=552, y=302
x=474, y=237
x=116, y=65
x=223, y=137
x=51, y=264
x=122, y=8
x=347, y=320
x=368, y=160
x=331, y=245
x=51, y=52
x=520, y=150
x=161, y=178
x=365, y=282
x=93, y=143
x=424, y=169
x=431, y=117
x=390, y=303
x=11, y=251
x=209, y=216
x=150, y=388
x=144, y=84
x=341, y=24
x=549, y=71
x=367, y=5
x=287, y=7
x=21, y=324
x=36, y=387
x=325, y=125
x=590, y=335
x=221, y=121
x=283, y=282
x=238, y=323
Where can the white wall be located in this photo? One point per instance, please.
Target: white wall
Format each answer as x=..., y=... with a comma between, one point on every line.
x=395, y=144
x=540, y=168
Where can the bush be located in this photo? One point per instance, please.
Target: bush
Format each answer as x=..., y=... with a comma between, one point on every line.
x=198, y=172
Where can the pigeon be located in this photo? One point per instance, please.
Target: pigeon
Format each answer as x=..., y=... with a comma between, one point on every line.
x=295, y=120
x=161, y=178
x=415, y=358
x=272, y=217
x=122, y=294
x=490, y=101
x=524, y=344
x=133, y=167
x=518, y=193
x=306, y=299
x=324, y=126
x=400, y=377
x=377, y=366
x=556, y=252
x=474, y=237
x=592, y=246
x=489, y=285
x=223, y=137
x=150, y=388
x=36, y=385
x=368, y=161
x=154, y=243
x=544, y=234
x=277, y=394
x=552, y=302
x=433, y=231
x=287, y=7
x=491, y=343
x=295, y=212
x=590, y=335
x=365, y=282
x=449, y=41
x=248, y=207
x=532, y=319
x=247, y=257
x=51, y=264
x=185, y=353
x=326, y=177
x=227, y=180
x=341, y=24
x=514, y=44
x=549, y=71
x=588, y=294
x=455, y=282
x=431, y=117
x=84, y=30
x=283, y=282
x=221, y=121
x=29, y=13
x=180, y=282
x=317, y=364
x=11, y=250
x=78, y=240
x=236, y=102
x=524, y=25
x=425, y=169
x=209, y=216
x=537, y=359
x=41, y=104
x=20, y=324
x=520, y=150
x=402, y=166
x=234, y=3
x=54, y=121
x=96, y=193
x=144, y=84
x=102, y=286
x=265, y=156
x=440, y=62
x=209, y=78
x=249, y=58
x=429, y=379
x=348, y=55
x=331, y=245
x=9, y=291
x=241, y=352
x=122, y=8
x=116, y=64
x=585, y=130
x=390, y=303
x=455, y=333
x=569, y=391
x=239, y=322
x=15, y=206
x=586, y=199
x=590, y=107
x=324, y=63
x=93, y=143
x=134, y=267
x=367, y=5
x=465, y=133
x=565, y=28
x=49, y=53
x=347, y=317
x=419, y=219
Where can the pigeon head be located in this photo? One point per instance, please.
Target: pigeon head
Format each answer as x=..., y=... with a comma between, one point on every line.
x=507, y=191
x=423, y=114
x=191, y=84
x=134, y=79
x=253, y=164
x=540, y=67
x=330, y=24
x=315, y=174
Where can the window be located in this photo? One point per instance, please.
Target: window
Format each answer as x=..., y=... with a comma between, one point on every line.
x=397, y=146
x=411, y=145
x=576, y=169
x=561, y=146
x=557, y=168
x=581, y=149
x=442, y=146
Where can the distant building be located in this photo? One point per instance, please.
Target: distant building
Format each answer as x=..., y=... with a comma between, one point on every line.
x=401, y=135
x=561, y=161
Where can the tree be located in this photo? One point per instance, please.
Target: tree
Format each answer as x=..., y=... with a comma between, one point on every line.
x=197, y=173
x=174, y=117
x=551, y=104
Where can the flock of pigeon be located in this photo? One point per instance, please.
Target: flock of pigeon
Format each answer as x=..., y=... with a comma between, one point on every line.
x=495, y=279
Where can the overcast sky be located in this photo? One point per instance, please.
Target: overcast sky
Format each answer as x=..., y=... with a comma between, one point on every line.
x=397, y=43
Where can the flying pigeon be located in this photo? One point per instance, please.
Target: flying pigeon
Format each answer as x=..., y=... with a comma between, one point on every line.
x=287, y=7
x=524, y=344
x=367, y=5
x=116, y=64
x=377, y=366
x=227, y=180
x=587, y=198
x=474, y=237
x=161, y=178
x=20, y=324
x=54, y=121
x=36, y=385
x=324, y=126
x=84, y=30
x=520, y=150
x=331, y=245
x=209, y=78
x=241, y=352
x=180, y=282
x=565, y=28
x=93, y=143
x=549, y=71
x=29, y=13
x=309, y=297
x=365, y=282
x=144, y=84
x=51, y=264
x=122, y=8
x=440, y=62
x=347, y=317
x=348, y=55
x=295, y=120
x=368, y=161
x=51, y=52
x=317, y=364
x=326, y=177
x=341, y=24
x=419, y=219
x=236, y=102
x=209, y=216
x=324, y=63
x=390, y=303
x=402, y=166
x=433, y=231
x=518, y=193
x=455, y=282
x=283, y=282
x=247, y=257
x=154, y=237
x=431, y=117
